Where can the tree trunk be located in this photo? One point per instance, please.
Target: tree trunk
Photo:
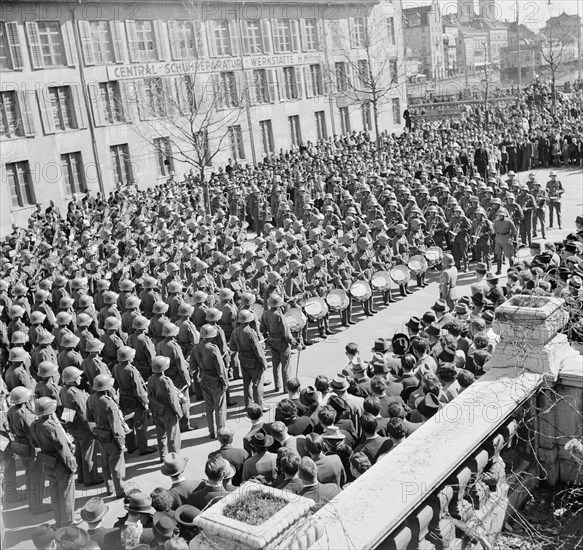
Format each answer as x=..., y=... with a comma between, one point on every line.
x=375, y=110
x=554, y=90
x=205, y=189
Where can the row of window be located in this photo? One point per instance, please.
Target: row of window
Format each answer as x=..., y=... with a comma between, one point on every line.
x=52, y=43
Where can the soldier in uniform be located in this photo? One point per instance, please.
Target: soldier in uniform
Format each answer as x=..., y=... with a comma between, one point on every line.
x=132, y=310
x=188, y=336
x=319, y=284
x=213, y=378
x=541, y=199
x=93, y=365
x=505, y=233
x=149, y=296
x=75, y=399
x=527, y=203
x=246, y=343
x=200, y=308
x=227, y=322
x=482, y=232
x=143, y=346
x=343, y=273
x=109, y=431
x=17, y=374
x=43, y=351
x=555, y=191
x=57, y=453
x=363, y=265
x=459, y=226
x=133, y=399
x=400, y=246
x=111, y=340
x=48, y=385
x=165, y=406
x=69, y=356
x=158, y=321
x=279, y=339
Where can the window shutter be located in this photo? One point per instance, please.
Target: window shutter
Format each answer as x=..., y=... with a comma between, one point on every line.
x=161, y=40
x=299, y=80
x=234, y=36
x=251, y=87
x=68, y=35
x=86, y=46
x=79, y=105
x=127, y=96
x=143, y=106
x=308, y=81
x=211, y=38
x=351, y=32
x=46, y=110
x=303, y=35
x=276, y=37
x=293, y=24
x=34, y=45
x=132, y=40
x=26, y=114
x=16, y=58
x=245, y=37
x=199, y=36
x=173, y=37
x=219, y=93
x=281, y=84
x=117, y=40
x=266, y=35
x=94, y=95
x=169, y=86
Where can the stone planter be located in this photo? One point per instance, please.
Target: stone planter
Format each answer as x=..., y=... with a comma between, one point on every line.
x=291, y=528
x=529, y=334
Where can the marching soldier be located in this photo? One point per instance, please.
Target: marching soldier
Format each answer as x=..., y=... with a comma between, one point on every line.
x=69, y=356
x=48, y=385
x=401, y=253
x=319, y=285
x=42, y=352
x=188, y=336
x=17, y=374
x=143, y=346
x=527, y=203
x=482, y=232
x=93, y=365
x=111, y=340
x=459, y=227
x=542, y=200
x=149, y=296
x=158, y=321
x=343, y=271
x=165, y=406
x=364, y=264
x=554, y=191
x=200, y=308
x=505, y=234
x=227, y=323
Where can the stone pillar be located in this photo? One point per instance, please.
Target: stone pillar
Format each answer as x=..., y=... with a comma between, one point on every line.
x=546, y=426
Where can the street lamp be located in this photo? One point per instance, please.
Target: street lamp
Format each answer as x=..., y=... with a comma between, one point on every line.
x=518, y=44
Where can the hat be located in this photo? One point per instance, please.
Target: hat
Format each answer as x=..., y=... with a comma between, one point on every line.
x=400, y=343
x=440, y=306
x=44, y=406
x=275, y=300
x=339, y=382
x=333, y=432
x=338, y=404
x=186, y=514
x=491, y=277
x=47, y=368
x=133, y=302
x=18, y=337
x=433, y=329
x=226, y=294
x=200, y=297
x=261, y=440
x=427, y=405
x=71, y=537
x=488, y=316
x=110, y=297
x=44, y=337
x=160, y=363
x=84, y=320
x=173, y=464
x=94, y=510
x=19, y=395
x=379, y=363
x=16, y=311
x=102, y=382
x=414, y=323
x=461, y=309
x=160, y=307
x=139, y=503
x=125, y=353
x=213, y=314
x=37, y=317
x=70, y=374
x=69, y=340
x=93, y=345
x=111, y=323
x=164, y=525
x=380, y=345
x=140, y=322
x=245, y=316
x=42, y=536
x=447, y=354
x=478, y=299
x=208, y=331
x=169, y=330
x=481, y=267
x=309, y=396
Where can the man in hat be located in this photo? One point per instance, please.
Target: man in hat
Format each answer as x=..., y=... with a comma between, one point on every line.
x=480, y=285
x=263, y=462
x=215, y=470
x=504, y=242
x=17, y=374
x=58, y=457
x=165, y=406
x=354, y=403
x=71, y=537
x=111, y=340
x=142, y=345
x=495, y=293
x=69, y=356
x=174, y=467
x=213, y=378
x=110, y=431
x=555, y=192
x=43, y=537
x=448, y=281
x=74, y=399
x=245, y=342
x=279, y=338
x=93, y=364
x=93, y=513
x=133, y=400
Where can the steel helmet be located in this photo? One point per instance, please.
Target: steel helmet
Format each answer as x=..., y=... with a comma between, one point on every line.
x=47, y=368
x=248, y=298
x=160, y=307
x=245, y=316
x=185, y=310
x=200, y=297
x=17, y=355
x=93, y=345
x=84, y=320
x=213, y=314
x=63, y=318
x=44, y=337
x=169, y=329
x=110, y=297
x=102, y=382
x=111, y=323
x=45, y=406
x=275, y=300
x=19, y=395
x=66, y=302
x=160, y=363
x=16, y=311
x=140, y=322
x=208, y=331
x=126, y=285
x=18, y=337
x=125, y=353
x=132, y=302
x=70, y=374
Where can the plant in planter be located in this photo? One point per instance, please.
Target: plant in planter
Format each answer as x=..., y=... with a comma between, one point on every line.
x=257, y=517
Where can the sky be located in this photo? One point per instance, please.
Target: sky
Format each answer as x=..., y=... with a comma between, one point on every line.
x=533, y=13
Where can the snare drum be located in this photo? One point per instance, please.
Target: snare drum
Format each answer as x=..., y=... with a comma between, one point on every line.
x=400, y=274
x=361, y=291
x=337, y=300
x=316, y=308
x=295, y=319
x=434, y=255
x=417, y=264
x=381, y=280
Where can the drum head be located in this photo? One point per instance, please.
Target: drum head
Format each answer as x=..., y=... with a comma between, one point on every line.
x=381, y=280
x=417, y=264
x=316, y=308
x=337, y=300
x=295, y=319
x=361, y=291
x=400, y=274
x=434, y=254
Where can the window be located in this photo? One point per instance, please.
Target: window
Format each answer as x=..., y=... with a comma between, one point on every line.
x=10, y=123
x=4, y=54
x=155, y=97
x=237, y=146
x=344, y=120
x=394, y=71
x=310, y=35
x=101, y=43
x=358, y=34
x=20, y=183
x=163, y=148
x=61, y=108
x=261, y=86
x=396, y=104
x=111, y=103
x=228, y=90
x=73, y=175
x=342, y=82
x=145, y=41
x=290, y=83
x=285, y=35
x=222, y=39
x=322, y=131
x=120, y=164
x=295, y=130
x=366, y=115
x=364, y=73
x=391, y=30
x=316, y=80
x=51, y=43
x=182, y=41
x=267, y=136
x=252, y=37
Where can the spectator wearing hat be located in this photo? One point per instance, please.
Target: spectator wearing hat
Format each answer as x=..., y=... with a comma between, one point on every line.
x=448, y=282
x=354, y=403
x=93, y=513
x=255, y=417
x=373, y=445
x=335, y=416
x=427, y=406
x=71, y=537
x=43, y=537
x=413, y=326
x=57, y=456
x=262, y=462
x=166, y=407
x=495, y=293
x=93, y=364
x=361, y=379
x=245, y=342
x=73, y=398
x=133, y=399
x=213, y=489
x=178, y=370
x=174, y=467
x=110, y=431
x=319, y=492
x=185, y=516
x=234, y=455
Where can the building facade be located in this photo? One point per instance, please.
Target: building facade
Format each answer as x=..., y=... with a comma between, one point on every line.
x=88, y=90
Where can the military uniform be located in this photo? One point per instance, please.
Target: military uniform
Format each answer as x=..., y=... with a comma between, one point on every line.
x=554, y=191
x=505, y=232
x=145, y=352
x=279, y=339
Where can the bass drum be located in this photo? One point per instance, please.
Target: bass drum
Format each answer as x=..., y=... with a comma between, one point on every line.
x=434, y=255
x=337, y=300
x=381, y=280
x=316, y=308
x=417, y=264
x=295, y=319
x=361, y=291
x=400, y=274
